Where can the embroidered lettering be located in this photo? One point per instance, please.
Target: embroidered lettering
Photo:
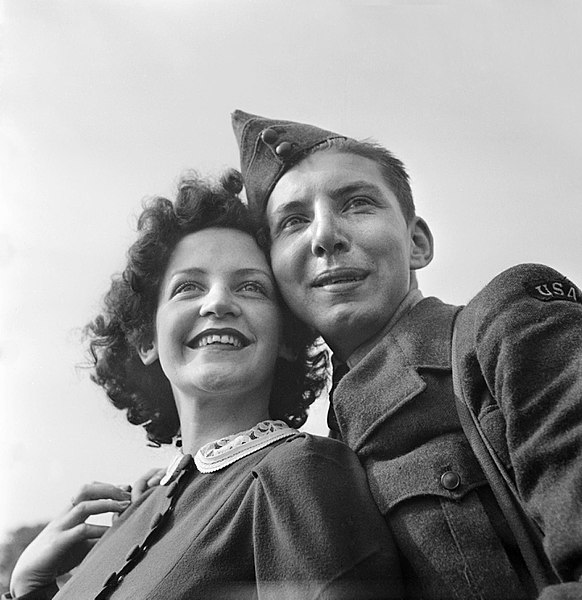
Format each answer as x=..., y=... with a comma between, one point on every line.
x=544, y=290
x=547, y=291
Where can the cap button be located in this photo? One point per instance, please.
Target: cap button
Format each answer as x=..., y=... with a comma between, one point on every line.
x=269, y=136
x=450, y=480
x=284, y=149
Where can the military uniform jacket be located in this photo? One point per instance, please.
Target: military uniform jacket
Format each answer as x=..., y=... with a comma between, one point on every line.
x=521, y=337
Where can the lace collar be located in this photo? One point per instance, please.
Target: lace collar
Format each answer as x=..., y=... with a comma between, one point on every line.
x=221, y=453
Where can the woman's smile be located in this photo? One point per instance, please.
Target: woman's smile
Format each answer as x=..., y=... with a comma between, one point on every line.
x=228, y=339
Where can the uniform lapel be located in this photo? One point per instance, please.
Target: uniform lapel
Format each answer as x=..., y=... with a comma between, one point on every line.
x=387, y=378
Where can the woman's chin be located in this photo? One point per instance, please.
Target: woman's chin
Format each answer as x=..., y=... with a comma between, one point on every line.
x=217, y=379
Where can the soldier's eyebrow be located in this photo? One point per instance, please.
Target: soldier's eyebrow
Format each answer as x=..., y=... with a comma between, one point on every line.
x=293, y=205
x=360, y=186
x=355, y=187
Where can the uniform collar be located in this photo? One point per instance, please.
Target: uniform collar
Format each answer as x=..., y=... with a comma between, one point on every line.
x=388, y=377
x=412, y=298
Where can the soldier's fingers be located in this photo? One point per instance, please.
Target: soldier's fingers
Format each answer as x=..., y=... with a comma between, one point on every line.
x=81, y=511
x=155, y=479
x=86, y=532
x=146, y=481
x=99, y=490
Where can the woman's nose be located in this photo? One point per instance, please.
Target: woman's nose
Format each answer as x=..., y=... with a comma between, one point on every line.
x=219, y=302
x=328, y=234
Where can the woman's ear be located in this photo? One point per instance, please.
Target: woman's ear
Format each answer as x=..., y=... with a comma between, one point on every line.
x=421, y=244
x=148, y=353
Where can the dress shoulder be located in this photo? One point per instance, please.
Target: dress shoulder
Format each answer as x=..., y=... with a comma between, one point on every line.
x=308, y=445
x=308, y=457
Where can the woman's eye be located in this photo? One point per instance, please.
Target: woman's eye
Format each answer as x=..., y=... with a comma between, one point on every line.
x=187, y=287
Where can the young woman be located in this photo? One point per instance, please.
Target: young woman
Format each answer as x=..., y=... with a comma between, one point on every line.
x=194, y=343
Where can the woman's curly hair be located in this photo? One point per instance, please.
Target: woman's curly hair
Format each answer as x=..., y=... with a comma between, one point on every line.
x=127, y=319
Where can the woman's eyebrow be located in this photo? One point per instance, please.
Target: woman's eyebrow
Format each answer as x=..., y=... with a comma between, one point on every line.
x=244, y=271
x=188, y=271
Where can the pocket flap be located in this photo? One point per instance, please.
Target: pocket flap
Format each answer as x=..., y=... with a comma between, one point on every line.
x=443, y=467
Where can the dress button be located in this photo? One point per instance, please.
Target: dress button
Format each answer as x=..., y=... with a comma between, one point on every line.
x=156, y=520
x=269, y=136
x=133, y=553
x=450, y=480
x=283, y=149
x=111, y=580
x=172, y=489
x=185, y=463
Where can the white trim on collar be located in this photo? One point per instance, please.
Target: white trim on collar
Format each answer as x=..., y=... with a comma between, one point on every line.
x=226, y=451
x=221, y=453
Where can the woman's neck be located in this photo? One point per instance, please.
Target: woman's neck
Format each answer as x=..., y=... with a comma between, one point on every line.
x=205, y=420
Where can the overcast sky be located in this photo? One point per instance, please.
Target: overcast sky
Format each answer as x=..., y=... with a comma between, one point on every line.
x=105, y=102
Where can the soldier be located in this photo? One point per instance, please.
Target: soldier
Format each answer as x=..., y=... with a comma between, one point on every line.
x=345, y=245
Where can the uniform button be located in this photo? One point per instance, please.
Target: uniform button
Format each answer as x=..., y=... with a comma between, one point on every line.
x=269, y=136
x=450, y=480
x=283, y=149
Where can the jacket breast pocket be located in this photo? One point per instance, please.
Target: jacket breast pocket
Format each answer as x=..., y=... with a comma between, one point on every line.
x=444, y=467
x=432, y=498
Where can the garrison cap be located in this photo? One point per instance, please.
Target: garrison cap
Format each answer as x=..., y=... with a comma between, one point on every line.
x=269, y=148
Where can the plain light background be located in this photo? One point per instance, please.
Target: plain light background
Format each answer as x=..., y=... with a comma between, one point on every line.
x=105, y=102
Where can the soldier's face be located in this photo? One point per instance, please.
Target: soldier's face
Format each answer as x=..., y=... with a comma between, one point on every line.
x=341, y=249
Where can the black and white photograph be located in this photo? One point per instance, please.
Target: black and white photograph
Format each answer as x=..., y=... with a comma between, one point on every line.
x=291, y=299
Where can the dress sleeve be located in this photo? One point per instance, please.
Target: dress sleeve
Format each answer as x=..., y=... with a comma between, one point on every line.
x=317, y=532
x=523, y=334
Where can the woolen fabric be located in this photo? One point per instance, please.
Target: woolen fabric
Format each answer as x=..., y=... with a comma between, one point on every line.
x=294, y=520
x=396, y=409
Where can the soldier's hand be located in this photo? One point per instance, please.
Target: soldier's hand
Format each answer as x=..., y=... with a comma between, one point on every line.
x=67, y=539
x=148, y=480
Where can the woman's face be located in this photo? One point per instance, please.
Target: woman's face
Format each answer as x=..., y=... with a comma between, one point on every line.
x=218, y=322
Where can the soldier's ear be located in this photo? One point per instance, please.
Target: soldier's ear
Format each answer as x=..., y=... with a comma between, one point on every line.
x=421, y=244
x=148, y=353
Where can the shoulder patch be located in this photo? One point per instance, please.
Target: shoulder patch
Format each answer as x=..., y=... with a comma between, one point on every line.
x=555, y=289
